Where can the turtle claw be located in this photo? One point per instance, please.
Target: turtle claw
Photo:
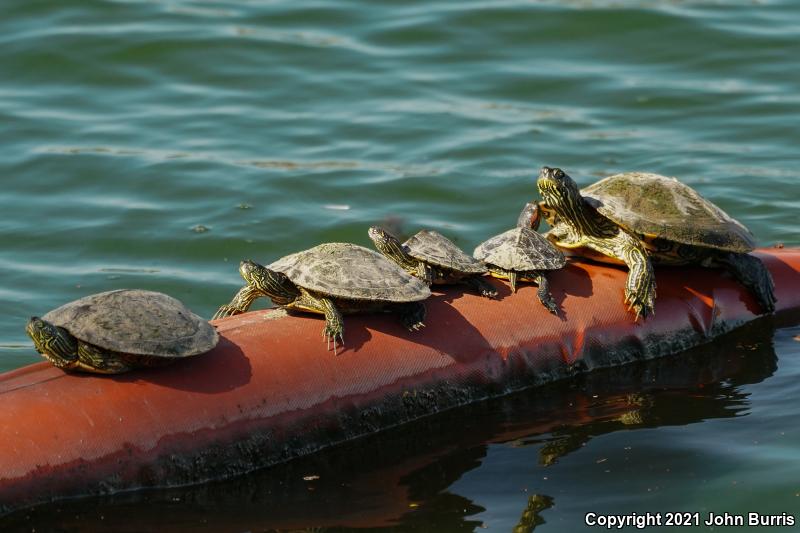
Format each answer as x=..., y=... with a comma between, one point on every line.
x=225, y=311
x=330, y=334
x=341, y=343
x=412, y=316
x=642, y=308
x=552, y=307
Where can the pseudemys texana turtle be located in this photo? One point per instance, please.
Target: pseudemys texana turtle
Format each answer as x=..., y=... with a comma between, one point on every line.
x=333, y=279
x=522, y=254
x=637, y=217
x=116, y=331
x=434, y=258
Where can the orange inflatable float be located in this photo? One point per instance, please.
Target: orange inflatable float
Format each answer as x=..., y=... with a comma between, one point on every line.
x=270, y=392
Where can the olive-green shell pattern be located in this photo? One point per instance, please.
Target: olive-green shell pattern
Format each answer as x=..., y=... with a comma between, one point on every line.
x=653, y=205
x=353, y=272
x=520, y=249
x=439, y=251
x=136, y=322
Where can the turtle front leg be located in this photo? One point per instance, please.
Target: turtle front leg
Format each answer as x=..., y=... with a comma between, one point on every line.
x=425, y=273
x=512, y=279
x=640, y=287
x=480, y=285
x=544, y=292
x=334, y=322
x=750, y=271
x=240, y=303
x=97, y=361
x=412, y=315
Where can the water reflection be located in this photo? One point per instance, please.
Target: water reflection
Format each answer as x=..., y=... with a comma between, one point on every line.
x=531, y=517
x=402, y=479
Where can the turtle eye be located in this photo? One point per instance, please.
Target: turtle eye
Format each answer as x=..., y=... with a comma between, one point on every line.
x=559, y=173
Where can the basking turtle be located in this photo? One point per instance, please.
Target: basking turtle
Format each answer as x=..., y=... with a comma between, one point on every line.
x=333, y=279
x=116, y=331
x=522, y=254
x=433, y=258
x=637, y=217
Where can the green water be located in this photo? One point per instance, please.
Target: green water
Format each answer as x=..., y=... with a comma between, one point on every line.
x=127, y=126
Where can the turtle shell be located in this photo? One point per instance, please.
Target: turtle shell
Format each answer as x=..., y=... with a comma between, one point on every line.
x=136, y=322
x=520, y=249
x=437, y=250
x=660, y=207
x=352, y=272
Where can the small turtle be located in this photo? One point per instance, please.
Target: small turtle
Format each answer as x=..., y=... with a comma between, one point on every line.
x=333, y=279
x=637, y=217
x=433, y=258
x=522, y=254
x=115, y=331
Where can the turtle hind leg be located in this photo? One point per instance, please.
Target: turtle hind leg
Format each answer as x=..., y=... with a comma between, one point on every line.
x=750, y=271
x=544, y=292
x=240, y=303
x=334, y=322
x=412, y=315
x=480, y=285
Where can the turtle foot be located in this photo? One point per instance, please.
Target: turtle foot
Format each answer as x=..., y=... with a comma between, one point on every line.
x=489, y=293
x=481, y=286
x=330, y=333
x=642, y=306
x=544, y=294
x=551, y=306
x=224, y=311
x=413, y=316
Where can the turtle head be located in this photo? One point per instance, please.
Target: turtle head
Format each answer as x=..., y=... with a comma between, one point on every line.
x=562, y=198
x=557, y=189
x=380, y=236
x=390, y=246
x=530, y=216
x=274, y=284
x=53, y=342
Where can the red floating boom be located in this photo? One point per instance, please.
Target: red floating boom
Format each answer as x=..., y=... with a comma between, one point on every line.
x=270, y=391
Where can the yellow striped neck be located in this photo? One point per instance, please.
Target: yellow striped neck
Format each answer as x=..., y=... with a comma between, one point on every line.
x=391, y=248
x=579, y=216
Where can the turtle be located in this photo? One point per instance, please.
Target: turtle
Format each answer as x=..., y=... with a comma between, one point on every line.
x=333, y=279
x=522, y=254
x=639, y=218
x=433, y=258
x=116, y=331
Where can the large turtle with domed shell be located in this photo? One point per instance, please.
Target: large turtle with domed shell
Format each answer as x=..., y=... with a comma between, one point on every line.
x=638, y=218
x=116, y=331
x=333, y=279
